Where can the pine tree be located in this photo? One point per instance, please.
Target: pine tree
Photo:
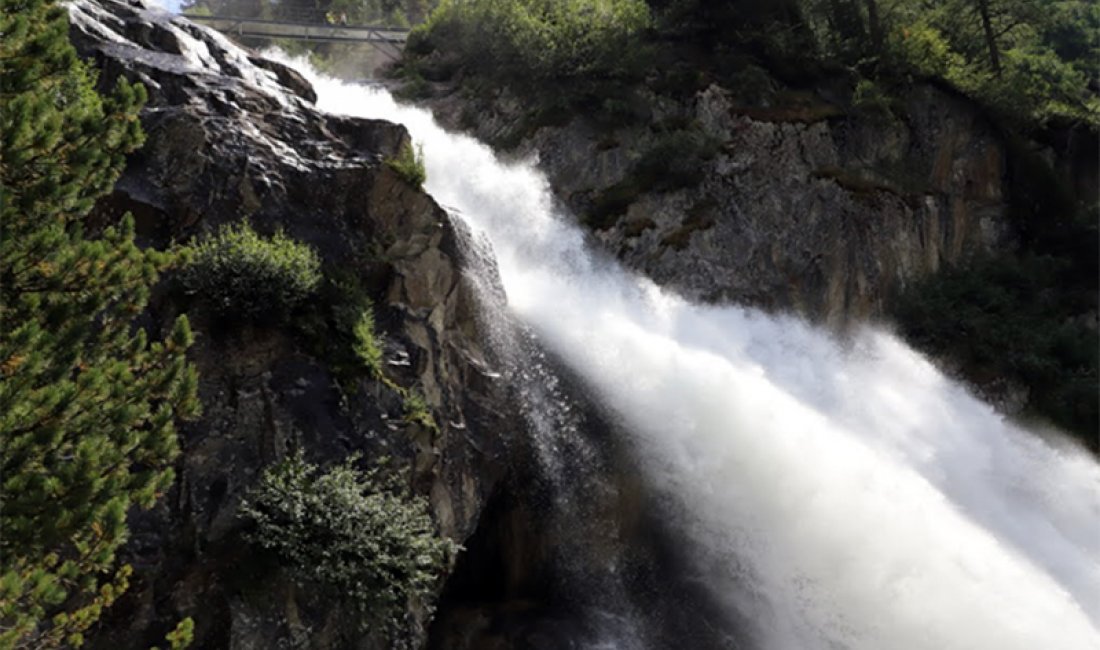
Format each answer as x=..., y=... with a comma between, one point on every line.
x=87, y=404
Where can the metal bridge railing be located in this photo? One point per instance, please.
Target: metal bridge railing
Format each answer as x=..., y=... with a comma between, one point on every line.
x=303, y=16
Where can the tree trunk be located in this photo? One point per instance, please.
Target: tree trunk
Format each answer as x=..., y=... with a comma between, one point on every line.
x=990, y=39
x=874, y=26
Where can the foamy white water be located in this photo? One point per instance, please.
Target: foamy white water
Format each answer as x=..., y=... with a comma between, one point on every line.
x=840, y=496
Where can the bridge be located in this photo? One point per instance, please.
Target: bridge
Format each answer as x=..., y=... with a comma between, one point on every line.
x=388, y=40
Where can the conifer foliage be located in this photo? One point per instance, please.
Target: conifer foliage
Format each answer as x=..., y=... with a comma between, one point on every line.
x=88, y=404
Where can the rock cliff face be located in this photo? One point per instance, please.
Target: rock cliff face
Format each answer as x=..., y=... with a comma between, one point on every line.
x=801, y=205
x=233, y=137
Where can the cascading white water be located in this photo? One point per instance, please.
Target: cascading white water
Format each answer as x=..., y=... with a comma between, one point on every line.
x=840, y=495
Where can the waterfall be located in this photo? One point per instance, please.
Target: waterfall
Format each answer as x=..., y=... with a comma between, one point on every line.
x=837, y=494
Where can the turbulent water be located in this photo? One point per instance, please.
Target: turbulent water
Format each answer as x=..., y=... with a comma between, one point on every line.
x=839, y=495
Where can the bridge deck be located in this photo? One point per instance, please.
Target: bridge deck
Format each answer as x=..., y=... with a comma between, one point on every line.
x=260, y=28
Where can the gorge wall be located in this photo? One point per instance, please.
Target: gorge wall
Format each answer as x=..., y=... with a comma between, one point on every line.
x=800, y=203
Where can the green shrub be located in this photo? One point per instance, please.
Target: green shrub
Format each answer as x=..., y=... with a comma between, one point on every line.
x=353, y=532
x=409, y=165
x=181, y=636
x=564, y=57
x=240, y=273
x=365, y=342
x=416, y=409
x=870, y=98
x=337, y=326
x=753, y=84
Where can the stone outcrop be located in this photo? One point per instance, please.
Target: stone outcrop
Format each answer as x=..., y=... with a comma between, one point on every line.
x=803, y=205
x=233, y=137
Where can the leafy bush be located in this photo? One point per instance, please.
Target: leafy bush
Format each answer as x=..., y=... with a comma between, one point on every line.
x=870, y=98
x=181, y=636
x=337, y=326
x=416, y=409
x=365, y=342
x=409, y=165
x=238, y=272
x=353, y=532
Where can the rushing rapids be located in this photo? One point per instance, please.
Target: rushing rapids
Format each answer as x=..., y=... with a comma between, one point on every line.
x=837, y=494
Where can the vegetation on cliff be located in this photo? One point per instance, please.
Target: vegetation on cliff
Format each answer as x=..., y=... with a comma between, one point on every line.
x=567, y=57
x=529, y=42
x=88, y=403
x=356, y=533
x=236, y=271
x=409, y=165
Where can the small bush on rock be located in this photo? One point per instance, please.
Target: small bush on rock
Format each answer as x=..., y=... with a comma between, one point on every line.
x=353, y=532
x=238, y=272
x=409, y=165
x=367, y=347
